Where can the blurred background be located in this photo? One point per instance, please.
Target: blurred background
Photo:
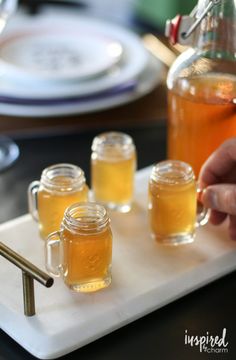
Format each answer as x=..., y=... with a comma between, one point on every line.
x=150, y=12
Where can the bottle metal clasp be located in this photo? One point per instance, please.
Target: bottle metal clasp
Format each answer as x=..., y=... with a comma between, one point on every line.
x=181, y=28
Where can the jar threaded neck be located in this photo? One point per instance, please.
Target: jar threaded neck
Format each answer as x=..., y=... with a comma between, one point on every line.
x=172, y=172
x=63, y=177
x=86, y=217
x=109, y=144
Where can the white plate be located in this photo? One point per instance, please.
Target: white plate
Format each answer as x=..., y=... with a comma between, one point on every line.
x=56, y=54
x=144, y=84
x=133, y=61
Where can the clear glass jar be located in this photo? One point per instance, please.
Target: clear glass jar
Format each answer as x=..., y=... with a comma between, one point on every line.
x=60, y=186
x=173, y=203
x=202, y=88
x=85, y=247
x=113, y=165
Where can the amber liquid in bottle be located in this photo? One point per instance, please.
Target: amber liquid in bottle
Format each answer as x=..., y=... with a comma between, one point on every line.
x=202, y=115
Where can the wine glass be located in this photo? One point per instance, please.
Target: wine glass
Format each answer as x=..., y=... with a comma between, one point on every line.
x=9, y=151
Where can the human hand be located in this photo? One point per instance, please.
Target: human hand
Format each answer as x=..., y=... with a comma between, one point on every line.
x=218, y=179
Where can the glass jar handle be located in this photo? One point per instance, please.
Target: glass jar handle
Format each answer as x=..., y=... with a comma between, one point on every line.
x=52, y=252
x=202, y=212
x=32, y=199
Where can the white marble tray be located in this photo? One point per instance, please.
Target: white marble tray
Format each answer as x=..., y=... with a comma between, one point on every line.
x=146, y=276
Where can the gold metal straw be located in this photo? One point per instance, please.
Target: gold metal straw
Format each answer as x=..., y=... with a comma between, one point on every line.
x=29, y=273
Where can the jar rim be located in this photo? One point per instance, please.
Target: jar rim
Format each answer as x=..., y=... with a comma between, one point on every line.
x=112, y=145
x=74, y=173
x=172, y=172
x=112, y=138
x=86, y=216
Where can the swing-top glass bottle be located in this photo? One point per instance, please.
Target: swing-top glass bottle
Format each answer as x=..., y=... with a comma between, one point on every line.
x=202, y=85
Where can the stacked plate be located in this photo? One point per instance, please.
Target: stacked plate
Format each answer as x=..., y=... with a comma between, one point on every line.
x=53, y=65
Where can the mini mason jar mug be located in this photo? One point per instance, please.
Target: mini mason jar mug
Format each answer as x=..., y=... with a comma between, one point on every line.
x=85, y=248
x=173, y=203
x=113, y=165
x=60, y=186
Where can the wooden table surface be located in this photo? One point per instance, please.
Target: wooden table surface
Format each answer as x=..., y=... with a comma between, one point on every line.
x=149, y=108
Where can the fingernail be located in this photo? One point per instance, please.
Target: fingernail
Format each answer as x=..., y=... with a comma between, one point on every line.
x=200, y=193
x=211, y=197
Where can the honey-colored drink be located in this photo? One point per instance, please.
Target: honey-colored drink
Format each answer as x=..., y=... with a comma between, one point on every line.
x=113, y=165
x=53, y=203
x=87, y=259
x=113, y=179
x=60, y=186
x=202, y=115
x=84, y=245
x=172, y=205
x=172, y=208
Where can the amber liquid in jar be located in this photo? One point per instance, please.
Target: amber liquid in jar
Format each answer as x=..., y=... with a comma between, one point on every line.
x=172, y=203
x=113, y=165
x=60, y=186
x=52, y=205
x=113, y=179
x=173, y=208
x=202, y=115
x=87, y=259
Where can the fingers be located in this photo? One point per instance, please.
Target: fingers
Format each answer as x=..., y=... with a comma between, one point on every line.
x=232, y=227
x=217, y=217
x=219, y=163
x=220, y=197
